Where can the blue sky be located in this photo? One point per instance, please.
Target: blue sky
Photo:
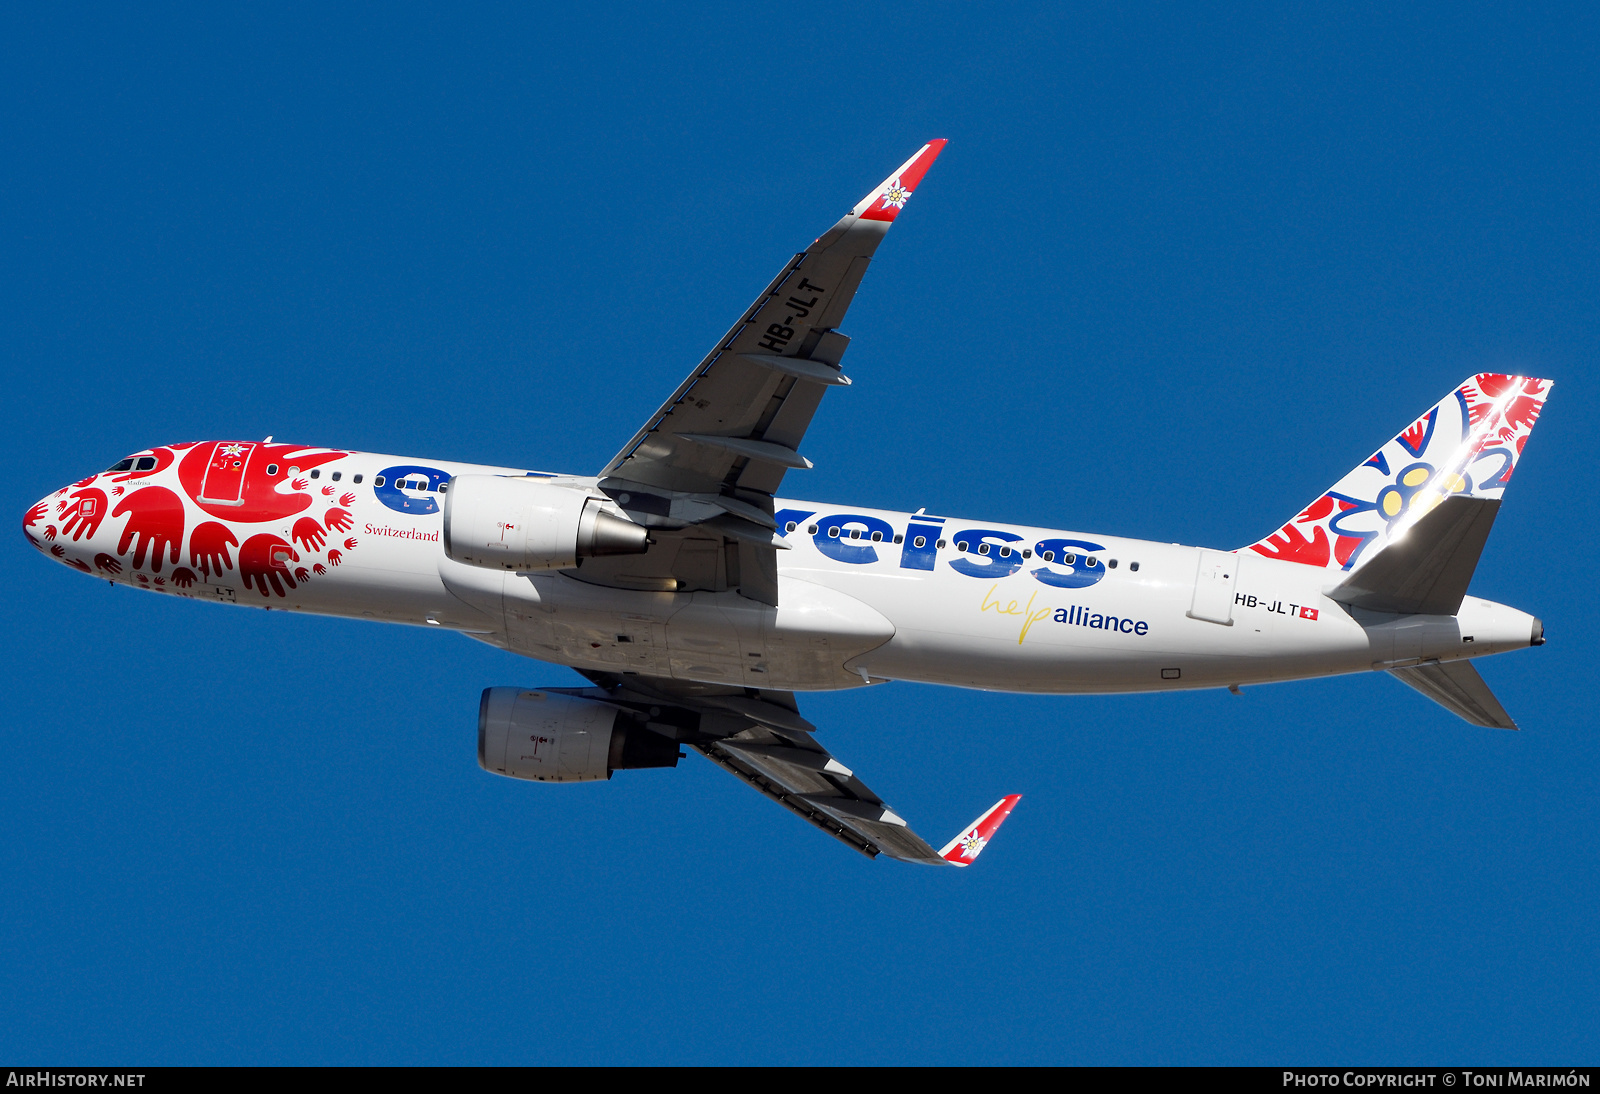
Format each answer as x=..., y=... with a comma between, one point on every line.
x=1173, y=276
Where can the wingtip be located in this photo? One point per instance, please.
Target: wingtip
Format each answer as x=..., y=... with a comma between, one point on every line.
x=966, y=847
x=891, y=195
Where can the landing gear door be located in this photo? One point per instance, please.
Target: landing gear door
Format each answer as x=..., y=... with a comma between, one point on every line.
x=1214, y=580
x=224, y=481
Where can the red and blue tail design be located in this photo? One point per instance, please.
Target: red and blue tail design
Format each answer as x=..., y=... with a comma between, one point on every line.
x=1469, y=443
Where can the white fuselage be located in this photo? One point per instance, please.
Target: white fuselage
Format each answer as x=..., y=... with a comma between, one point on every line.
x=1059, y=612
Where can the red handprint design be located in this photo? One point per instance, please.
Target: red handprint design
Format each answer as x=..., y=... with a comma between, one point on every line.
x=327, y=491
x=337, y=520
x=156, y=524
x=183, y=577
x=309, y=535
x=256, y=491
x=350, y=544
x=49, y=531
x=300, y=484
x=208, y=548
x=334, y=558
x=347, y=500
x=265, y=558
x=34, y=514
x=161, y=581
x=86, y=482
x=83, y=515
x=105, y=562
x=59, y=551
x=301, y=575
x=80, y=564
x=319, y=569
x=1292, y=545
x=118, y=491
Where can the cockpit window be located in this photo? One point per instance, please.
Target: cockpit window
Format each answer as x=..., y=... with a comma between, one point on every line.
x=145, y=463
x=121, y=465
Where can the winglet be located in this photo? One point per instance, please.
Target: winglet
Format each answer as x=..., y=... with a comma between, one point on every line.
x=965, y=848
x=890, y=197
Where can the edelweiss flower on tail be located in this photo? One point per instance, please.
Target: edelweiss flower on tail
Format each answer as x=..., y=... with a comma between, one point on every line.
x=1467, y=445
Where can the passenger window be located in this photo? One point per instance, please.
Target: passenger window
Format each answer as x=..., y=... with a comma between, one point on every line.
x=961, y=545
x=1026, y=553
x=1134, y=566
x=789, y=527
x=940, y=545
x=983, y=548
x=443, y=486
x=877, y=537
x=899, y=538
x=1112, y=564
x=811, y=531
x=315, y=473
x=1091, y=562
x=920, y=542
x=1005, y=552
x=272, y=469
x=357, y=479
x=1049, y=556
x=855, y=533
x=1069, y=559
x=377, y=480
x=833, y=533
x=335, y=476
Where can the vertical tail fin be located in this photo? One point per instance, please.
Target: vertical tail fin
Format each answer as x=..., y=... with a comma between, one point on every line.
x=1468, y=445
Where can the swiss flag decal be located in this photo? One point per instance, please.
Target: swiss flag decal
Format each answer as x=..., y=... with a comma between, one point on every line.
x=1308, y=613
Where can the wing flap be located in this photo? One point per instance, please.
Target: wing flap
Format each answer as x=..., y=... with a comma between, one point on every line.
x=793, y=769
x=760, y=738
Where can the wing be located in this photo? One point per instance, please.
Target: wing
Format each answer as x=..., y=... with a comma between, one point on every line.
x=710, y=460
x=759, y=737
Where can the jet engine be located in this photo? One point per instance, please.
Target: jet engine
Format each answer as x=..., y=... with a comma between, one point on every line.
x=527, y=524
x=549, y=737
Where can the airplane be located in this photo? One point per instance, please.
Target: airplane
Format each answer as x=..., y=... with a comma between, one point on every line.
x=698, y=603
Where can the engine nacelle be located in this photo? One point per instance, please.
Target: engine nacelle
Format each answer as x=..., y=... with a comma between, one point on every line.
x=529, y=524
x=555, y=738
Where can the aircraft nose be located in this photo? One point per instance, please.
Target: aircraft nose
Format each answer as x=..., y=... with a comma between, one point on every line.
x=34, y=521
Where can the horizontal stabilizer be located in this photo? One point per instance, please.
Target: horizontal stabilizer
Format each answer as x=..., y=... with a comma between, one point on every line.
x=1425, y=569
x=1456, y=686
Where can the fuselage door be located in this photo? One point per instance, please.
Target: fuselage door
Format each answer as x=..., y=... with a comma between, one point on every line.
x=1213, y=587
x=224, y=481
